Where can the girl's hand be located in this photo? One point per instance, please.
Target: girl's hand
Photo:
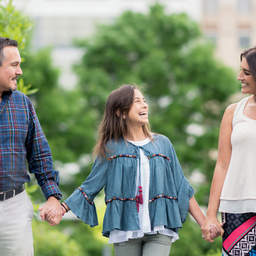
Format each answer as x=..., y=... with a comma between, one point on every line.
x=214, y=231
x=211, y=229
x=51, y=211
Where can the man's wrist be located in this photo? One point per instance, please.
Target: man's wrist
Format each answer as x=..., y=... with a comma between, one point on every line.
x=57, y=196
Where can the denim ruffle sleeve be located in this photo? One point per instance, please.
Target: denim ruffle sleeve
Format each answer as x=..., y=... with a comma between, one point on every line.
x=82, y=208
x=184, y=194
x=81, y=200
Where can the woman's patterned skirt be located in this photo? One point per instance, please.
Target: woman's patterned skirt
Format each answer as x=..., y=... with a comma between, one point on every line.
x=239, y=238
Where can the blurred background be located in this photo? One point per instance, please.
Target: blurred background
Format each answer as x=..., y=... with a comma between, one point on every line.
x=184, y=54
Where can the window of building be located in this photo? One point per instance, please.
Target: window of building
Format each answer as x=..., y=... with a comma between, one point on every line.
x=210, y=6
x=244, y=41
x=244, y=6
x=211, y=38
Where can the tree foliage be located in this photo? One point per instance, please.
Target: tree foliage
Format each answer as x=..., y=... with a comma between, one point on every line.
x=49, y=241
x=186, y=86
x=53, y=106
x=191, y=243
x=14, y=24
x=61, y=112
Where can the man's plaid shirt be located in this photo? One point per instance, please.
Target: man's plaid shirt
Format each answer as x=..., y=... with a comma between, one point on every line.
x=22, y=141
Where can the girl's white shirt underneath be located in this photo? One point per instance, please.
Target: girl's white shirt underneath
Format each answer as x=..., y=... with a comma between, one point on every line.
x=118, y=236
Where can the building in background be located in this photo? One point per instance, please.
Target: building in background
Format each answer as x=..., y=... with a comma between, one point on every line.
x=229, y=24
x=58, y=22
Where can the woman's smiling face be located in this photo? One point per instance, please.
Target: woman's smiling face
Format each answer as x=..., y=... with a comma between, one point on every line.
x=246, y=78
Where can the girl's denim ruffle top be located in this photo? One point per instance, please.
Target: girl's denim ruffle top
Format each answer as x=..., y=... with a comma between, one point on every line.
x=169, y=191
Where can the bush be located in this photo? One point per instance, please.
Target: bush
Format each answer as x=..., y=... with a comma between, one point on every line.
x=49, y=241
x=214, y=253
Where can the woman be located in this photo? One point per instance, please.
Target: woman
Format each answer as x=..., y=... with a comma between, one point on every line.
x=233, y=188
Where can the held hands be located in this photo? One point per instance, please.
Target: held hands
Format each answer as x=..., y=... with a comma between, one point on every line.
x=51, y=211
x=214, y=231
x=211, y=229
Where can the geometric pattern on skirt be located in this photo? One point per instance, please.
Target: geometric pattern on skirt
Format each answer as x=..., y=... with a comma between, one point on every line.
x=239, y=237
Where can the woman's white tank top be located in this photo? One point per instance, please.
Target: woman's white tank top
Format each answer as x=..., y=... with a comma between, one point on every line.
x=239, y=189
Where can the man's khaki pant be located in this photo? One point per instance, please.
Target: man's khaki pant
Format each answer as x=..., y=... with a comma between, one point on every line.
x=16, y=238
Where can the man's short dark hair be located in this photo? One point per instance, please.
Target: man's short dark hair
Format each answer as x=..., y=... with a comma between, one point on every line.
x=3, y=43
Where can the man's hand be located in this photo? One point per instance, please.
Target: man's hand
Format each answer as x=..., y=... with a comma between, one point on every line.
x=51, y=211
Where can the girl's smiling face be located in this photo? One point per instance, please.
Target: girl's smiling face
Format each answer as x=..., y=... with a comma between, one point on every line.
x=138, y=113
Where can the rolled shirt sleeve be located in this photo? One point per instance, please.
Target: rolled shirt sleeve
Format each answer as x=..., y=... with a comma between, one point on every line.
x=39, y=157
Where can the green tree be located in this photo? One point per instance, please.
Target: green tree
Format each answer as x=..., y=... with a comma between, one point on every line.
x=56, y=109
x=14, y=24
x=61, y=112
x=187, y=88
x=191, y=243
x=49, y=241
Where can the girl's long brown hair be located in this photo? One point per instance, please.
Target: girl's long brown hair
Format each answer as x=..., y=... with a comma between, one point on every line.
x=113, y=126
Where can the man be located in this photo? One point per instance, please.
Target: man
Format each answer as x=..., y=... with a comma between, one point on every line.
x=21, y=139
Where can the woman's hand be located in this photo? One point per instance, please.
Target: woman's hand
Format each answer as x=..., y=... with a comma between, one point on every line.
x=211, y=229
x=214, y=231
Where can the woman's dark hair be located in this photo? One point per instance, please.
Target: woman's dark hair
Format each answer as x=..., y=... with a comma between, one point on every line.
x=250, y=55
x=113, y=125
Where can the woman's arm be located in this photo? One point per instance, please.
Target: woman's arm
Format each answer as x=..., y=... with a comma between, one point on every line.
x=223, y=160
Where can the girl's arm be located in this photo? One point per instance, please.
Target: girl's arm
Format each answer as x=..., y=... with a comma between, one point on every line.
x=65, y=208
x=195, y=211
x=199, y=217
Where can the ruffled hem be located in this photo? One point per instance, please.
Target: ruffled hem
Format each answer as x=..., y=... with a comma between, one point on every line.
x=127, y=218
x=168, y=216
x=118, y=236
x=121, y=215
x=84, y=209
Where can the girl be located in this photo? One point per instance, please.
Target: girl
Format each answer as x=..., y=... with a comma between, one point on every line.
x=146, y=193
